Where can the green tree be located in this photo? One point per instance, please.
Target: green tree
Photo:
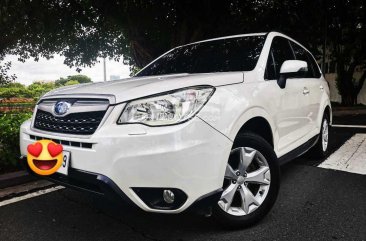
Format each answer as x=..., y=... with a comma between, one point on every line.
x=72, y=82
x=34, y=90
x=14, y=90
x=83, y=30
x=37, y=89
x=347, y=44
x=80, y=79
x=5, y=78
x=61, y=81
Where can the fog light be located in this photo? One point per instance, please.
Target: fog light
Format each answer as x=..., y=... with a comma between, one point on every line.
x=164, y=198
x=168, y=196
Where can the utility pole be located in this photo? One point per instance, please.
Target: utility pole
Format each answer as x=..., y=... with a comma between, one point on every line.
x=104, y=70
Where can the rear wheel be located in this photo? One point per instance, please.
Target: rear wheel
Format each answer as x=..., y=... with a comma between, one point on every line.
x=251, y=182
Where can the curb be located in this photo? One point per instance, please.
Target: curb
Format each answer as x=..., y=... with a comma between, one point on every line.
x=16, y=192
x=15, y=178
x=347, y=112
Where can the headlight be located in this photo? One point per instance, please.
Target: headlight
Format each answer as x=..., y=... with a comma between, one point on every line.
x=166, y=109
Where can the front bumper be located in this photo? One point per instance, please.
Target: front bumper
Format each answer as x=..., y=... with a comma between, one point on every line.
x=190, y=157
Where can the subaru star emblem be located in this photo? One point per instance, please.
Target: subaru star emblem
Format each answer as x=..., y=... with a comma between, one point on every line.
x=61, y=107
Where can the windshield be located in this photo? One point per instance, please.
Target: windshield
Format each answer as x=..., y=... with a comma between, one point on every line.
x=223, y=55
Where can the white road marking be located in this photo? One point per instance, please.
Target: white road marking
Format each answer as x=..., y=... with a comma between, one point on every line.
x=349, y=126
x=24, y=188
x=351, y=157
x=30, y=195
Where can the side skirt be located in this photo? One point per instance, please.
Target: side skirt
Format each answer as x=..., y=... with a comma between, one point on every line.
x=298, y=151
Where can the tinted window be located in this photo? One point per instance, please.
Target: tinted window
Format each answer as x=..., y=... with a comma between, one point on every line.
x=281, y=51
x=270, y=68
x=234, y=54
x=302, y=54
x=314, y=66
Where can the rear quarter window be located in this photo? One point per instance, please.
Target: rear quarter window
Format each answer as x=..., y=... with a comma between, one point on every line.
x=304, y=55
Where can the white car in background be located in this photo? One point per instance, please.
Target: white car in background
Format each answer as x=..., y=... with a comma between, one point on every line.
x=206, y=125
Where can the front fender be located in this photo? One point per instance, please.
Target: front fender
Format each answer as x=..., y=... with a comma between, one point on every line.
x=228, y=110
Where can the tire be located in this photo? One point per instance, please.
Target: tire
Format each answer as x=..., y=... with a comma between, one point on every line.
x=318, y=151
x=264, y=188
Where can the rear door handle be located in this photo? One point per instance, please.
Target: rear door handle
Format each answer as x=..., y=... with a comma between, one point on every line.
x=306, y=91
x=321, y=88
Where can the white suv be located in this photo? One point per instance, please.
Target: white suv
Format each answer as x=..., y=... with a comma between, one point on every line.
x=206, y=125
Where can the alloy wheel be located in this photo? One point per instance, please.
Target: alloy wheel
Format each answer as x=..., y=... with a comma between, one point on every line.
x=325, y=134
x=247, y=182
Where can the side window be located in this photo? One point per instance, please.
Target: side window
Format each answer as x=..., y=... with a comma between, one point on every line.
x=280, y=52
x=270, y=68
x=314, y=65
x=302, y=54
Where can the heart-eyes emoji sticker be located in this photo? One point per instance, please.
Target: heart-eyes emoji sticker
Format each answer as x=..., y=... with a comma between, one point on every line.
x=44, y=157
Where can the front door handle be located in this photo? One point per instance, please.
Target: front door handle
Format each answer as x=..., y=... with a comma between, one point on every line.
x=306, y=91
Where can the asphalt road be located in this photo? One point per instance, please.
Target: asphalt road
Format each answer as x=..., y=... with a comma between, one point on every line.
x=313, y=204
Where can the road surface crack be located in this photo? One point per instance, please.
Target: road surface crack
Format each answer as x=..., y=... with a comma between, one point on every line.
x=358, y=147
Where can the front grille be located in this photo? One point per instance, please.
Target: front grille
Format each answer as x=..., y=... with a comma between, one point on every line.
x=64, y=143
x=84, y=123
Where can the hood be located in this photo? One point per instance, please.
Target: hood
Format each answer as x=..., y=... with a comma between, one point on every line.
x=136, y=87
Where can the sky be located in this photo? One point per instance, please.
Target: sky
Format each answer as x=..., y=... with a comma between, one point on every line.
x=53, y=69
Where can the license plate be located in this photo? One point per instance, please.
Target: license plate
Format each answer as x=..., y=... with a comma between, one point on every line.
x=64, y=169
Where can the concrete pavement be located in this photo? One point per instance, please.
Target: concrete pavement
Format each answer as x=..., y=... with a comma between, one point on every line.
x=351, y=157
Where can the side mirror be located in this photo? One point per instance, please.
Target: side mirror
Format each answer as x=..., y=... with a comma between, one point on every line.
x=291, y=68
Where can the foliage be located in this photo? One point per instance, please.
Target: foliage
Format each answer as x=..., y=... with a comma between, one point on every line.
x=18, y=90
x=8, y=92
x=9, y=137
x=61, y=81
x=83, y=30
x=134, y=70
x=347, y=35
x=37, y=89
x=80, y=79
x=72, y=82
x=4, y=76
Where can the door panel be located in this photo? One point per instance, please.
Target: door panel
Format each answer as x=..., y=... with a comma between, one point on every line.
x=312, y=82
x=291, y=118
x=314, y=99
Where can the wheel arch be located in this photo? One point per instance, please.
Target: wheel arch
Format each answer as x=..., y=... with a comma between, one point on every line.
x=328, y=111
x=252, y=120
x=260, y=126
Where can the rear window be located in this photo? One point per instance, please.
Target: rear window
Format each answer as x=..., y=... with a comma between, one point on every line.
x=224, y=55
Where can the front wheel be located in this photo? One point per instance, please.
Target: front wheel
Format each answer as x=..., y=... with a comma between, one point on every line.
x=251, y=182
